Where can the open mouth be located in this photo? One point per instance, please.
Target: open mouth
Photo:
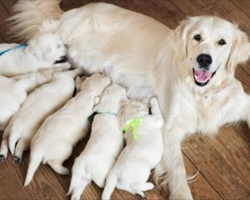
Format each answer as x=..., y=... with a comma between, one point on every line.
x=62, y=60
x=202, y=76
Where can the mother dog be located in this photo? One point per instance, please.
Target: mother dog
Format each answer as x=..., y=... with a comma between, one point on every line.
x=190, y=69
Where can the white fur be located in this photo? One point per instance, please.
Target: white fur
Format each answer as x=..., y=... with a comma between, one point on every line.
x=55, y=139
x=13, y=92
x=37, y=107
x=104, y=145
x=147, y=57
x=40, y=53
x=138, y=158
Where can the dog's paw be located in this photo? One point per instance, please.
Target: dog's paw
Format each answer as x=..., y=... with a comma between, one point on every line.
x=2, y=158
x=17, y=159
x=65, y=172
x=153, y=100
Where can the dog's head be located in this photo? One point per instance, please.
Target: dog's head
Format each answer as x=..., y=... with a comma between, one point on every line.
x=130, y=110
x=210, y=48
x=48, y=48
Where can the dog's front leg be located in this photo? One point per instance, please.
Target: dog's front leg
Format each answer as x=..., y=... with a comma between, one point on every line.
x=172, y=166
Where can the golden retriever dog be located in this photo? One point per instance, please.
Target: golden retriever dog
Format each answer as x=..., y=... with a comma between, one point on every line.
x=142, y=153
x=40, y=53
x=190, y=69
x=104, y=146
x=13, y=92
x=40, y=104
x=54, y=141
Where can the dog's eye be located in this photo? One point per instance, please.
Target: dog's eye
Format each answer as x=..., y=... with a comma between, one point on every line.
x=222, y=42
x=197, y=37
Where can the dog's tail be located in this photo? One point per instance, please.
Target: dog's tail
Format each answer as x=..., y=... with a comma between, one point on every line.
x=35, y=160
x=28, y=18
x=78, y=183
x=111, y=183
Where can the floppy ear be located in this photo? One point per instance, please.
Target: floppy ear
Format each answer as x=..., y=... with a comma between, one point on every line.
x=240, y=51
x=180, y=36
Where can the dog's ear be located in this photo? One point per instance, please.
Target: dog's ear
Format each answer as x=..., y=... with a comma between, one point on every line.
x=240, y=51
x=180, y=36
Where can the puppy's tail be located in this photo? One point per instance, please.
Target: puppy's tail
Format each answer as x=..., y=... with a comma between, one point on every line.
x=111, y=183
x=35, y=160
x=29, y=16
x=77, y=185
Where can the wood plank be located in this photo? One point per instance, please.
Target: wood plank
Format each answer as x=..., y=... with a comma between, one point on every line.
x=12, y=179
x=189, y=6
x=3, y=15
x=8, y=4
x=219, y=160
x=200, y=187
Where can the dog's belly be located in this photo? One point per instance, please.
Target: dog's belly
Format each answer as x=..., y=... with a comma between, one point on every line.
x=121, y=43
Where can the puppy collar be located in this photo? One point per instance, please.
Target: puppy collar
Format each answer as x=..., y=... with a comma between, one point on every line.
x=91, y=117
x=133, y=124
x=16, y=47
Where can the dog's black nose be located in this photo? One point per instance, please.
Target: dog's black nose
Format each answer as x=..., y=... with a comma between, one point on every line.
x=204, y=61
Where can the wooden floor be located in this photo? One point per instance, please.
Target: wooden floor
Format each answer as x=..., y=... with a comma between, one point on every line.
x=223, y=162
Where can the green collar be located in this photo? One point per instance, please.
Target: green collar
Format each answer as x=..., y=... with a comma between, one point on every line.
x=133, y=124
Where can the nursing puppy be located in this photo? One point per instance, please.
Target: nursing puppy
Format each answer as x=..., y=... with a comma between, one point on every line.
x=40, y=53
x=13, y=93
x=140, y=156
x=62, y=130
x=104, y=145
x=40, y=104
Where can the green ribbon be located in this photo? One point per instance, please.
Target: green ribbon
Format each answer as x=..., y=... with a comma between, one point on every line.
x=133, y=124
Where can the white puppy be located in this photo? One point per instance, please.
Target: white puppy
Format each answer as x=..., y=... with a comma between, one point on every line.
x=55, y=139
x=105, y=143
x=13, y=92
x=140, y=155
x=37, y=107
x=43, y=52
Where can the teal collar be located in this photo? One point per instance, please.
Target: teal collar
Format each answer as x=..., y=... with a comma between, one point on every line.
x=16, y=47
x=91, y=117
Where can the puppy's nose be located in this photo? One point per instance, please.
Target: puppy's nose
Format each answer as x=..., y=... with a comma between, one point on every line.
x=204, y=61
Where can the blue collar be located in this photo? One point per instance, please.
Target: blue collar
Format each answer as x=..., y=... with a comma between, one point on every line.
x=19, y=46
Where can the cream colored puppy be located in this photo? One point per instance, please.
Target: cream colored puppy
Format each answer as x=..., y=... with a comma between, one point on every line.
x=13, y=92
x=105, y=143
x=42, y=52
x=37, y=107
x=140, y=155
x=57, y=136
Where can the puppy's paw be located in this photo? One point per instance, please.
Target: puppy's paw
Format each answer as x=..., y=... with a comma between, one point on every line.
x=2, y=158
x=139, y=194
x=17, y=159
x=65, y=172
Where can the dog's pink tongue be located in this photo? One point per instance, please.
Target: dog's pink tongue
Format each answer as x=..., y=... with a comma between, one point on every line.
x=202, y=76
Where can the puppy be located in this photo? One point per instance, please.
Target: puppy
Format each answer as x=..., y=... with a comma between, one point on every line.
x=139, y=157
x=42, y=52
x=37, y=107
x=104, y=146
x=13, y=92
x=62, y=130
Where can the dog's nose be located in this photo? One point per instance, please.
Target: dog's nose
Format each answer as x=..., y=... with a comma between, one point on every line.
x=204, y=61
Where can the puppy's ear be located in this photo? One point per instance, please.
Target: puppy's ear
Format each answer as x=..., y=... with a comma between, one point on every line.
x=240, y=51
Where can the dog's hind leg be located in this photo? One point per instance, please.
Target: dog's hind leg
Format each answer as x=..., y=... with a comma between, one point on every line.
x=4, y=149
x=22, y=145
x=4, y=145
x=58, y=168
